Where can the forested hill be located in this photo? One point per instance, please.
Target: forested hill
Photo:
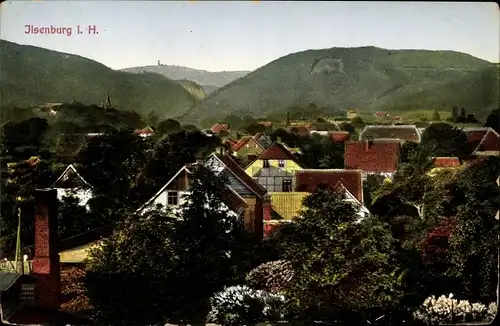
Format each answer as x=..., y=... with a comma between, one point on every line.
x=32, y=75
x=366, y=78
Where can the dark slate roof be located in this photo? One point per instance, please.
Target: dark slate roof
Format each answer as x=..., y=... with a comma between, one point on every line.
x=372, y=156
x=244, y=177
x=7, y=280
x=402, y=132
x=309, y=180
x=86, y=237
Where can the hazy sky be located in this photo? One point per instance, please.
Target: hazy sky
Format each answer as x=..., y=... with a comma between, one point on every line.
x=244, y=35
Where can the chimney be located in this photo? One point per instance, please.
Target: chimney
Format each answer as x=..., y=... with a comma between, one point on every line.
x=368, y=144
x=267, y=208
x=222, y=150
x=46, y=268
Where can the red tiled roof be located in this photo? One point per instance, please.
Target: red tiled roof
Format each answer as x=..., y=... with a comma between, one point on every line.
x=218, y=127
x=277, y=152
x=372, y=156
x=475, y=134
x=309, y=180
x=300, y=130
x=490, y=142
x=241, y=143
x=147, y=130
x=445, y=162
x=240, y=173
x=339, y=136
x=266, y=123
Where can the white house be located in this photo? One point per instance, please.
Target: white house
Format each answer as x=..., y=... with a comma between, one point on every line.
x=71, y=183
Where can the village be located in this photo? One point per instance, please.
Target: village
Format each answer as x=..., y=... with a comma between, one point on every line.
x=267, y=183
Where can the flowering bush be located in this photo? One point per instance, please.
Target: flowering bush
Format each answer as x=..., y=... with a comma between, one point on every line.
x=491, y=312
x=241, y=305
x=446, y=310
x=272, y=276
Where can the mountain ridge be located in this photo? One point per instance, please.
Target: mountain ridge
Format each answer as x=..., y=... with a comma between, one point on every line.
x=210, y=80
x=32, y=75
x=339, y=78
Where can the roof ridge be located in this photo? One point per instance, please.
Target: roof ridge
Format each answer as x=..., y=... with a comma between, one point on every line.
x=328, y=170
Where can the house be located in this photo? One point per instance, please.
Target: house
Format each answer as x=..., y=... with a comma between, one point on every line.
x=254, y=194
x=74, y=250
x=145, y=132
x=275, y=169
x=300, y=130
x=247, y=146
x=243, y=197
x=489, y=144
x=220, y=127
x=348, y=181
x=172, y=194
x=71, y=183
x=474, y=136
x=444, y=163
x=267, y=124
x=339, y=136
x=403, y=133
x=323, y=126
x=373, y=157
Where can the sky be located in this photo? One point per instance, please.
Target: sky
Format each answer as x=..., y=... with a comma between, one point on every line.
x=245, y=35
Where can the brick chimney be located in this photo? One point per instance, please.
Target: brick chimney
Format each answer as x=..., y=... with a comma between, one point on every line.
x=267, y=208
x=45, y=266
x=368, y=144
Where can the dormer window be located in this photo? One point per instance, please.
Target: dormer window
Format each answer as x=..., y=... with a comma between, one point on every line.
x=265, y=164
x=281, y=163
x=173, y=198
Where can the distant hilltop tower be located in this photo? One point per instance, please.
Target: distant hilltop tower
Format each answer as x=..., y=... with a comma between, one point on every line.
x=107, y=104
x=159, y=64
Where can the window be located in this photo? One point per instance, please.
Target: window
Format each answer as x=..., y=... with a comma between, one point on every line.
x=266, y=163
x=281, y=163
x=287, y=186
x=247, y=146
x=172, y=198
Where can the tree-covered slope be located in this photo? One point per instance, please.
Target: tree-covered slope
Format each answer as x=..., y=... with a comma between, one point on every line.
x=366, y=78
x=31, y=75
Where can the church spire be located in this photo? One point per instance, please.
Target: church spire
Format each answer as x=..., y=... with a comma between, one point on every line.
x=108, y=102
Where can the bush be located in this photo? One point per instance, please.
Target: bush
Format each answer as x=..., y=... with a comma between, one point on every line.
x=272, y=276
x=447, y=310
x=241, y=305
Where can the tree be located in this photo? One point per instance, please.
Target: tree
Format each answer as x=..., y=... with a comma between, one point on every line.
x=357, y=122
x=443, y=139
x=152, y=118
x=339, y=265
x=128, y=277
x=171, y=264
x=168, y=126
x=473, y=241
x=436, y=116
x=454, y=113
x=493, y=120
x=346, y=126
x=110, y=164
x=253, y=128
